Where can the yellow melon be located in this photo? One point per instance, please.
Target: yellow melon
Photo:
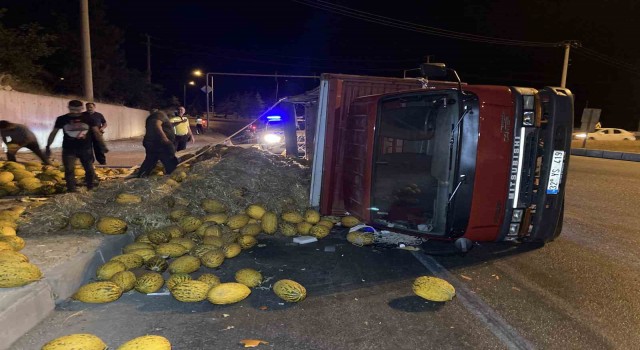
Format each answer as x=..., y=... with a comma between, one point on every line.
x=237, y=221
x=76, y=341
x=98, y=292
x=82, y=220
x=16, y=274
x=269, y=223
x=190, y=291
x=228, y=293
x=255, y=211
x=290, y=291
x=111, y=226
x=433, y=288
x=248, y=277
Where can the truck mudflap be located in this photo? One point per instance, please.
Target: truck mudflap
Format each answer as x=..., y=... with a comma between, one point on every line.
x=540, y=162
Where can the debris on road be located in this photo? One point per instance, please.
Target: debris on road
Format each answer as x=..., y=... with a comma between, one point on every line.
x=252, y=343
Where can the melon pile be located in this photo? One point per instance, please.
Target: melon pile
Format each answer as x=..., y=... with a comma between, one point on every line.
x=33, y=178
x=194, y=244
x=15, y=269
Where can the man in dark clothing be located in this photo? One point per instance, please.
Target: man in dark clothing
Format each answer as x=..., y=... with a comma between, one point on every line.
x=17, y=136
x=79, y=131
x=158, y=143
x=102, y=124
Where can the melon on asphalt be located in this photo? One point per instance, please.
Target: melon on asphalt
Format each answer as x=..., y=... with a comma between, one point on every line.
x=126, y=280
x=98, y=292
x=171, y=250
x=312, y=216
x=228, y=293
x=177, y=278
x=80, y=341
x=184, y=264
x=149, y=282
x=248, y=277
x=190, y=291
x=210, y=279
x=147, y=342
x=213, y=258
x=247, y=241
x=360, y=238
x=108, y=269
x=349, y=221
x=433, y=288
x=130, y=260
x=289, y=290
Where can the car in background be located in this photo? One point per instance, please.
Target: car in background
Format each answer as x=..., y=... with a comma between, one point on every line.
x=606, y=134
x=271, y=138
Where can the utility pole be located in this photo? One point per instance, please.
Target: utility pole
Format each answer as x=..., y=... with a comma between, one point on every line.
x=86, y=50
x=565, y=67
x=148, y=59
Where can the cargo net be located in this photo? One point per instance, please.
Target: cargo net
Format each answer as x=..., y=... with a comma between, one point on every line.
x=235, y=176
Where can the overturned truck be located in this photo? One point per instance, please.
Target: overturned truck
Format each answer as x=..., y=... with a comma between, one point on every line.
x=438, y=159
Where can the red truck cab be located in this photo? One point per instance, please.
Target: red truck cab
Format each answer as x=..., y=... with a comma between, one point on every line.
x=445, y=161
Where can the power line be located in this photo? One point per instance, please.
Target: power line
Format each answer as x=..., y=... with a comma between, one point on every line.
x=341, y=59
x=237, y=58
x=400, y=24
x=395, y=23
x=594, y=55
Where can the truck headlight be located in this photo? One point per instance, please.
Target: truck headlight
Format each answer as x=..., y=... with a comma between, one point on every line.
x=272, y=138
x=513, y=229
x=517, y=215
x=528, y=119
x=581, y=136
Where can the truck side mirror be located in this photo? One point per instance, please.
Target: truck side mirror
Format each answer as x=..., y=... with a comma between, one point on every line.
x=433, y=70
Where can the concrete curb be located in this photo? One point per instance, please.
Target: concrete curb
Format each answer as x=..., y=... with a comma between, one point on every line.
x=598, y=153
x=23, y=308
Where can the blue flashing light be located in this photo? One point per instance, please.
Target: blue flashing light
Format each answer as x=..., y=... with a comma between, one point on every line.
x=274, y=118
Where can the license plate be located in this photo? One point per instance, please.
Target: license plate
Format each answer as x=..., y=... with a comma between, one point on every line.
x=555, y=174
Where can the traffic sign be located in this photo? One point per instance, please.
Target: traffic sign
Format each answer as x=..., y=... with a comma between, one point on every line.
x=206, y=89
x=590, y=117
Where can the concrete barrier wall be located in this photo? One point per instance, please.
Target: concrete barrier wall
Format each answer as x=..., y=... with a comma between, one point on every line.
x=39, y=113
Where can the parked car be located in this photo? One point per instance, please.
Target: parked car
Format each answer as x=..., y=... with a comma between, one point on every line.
x=606, y=134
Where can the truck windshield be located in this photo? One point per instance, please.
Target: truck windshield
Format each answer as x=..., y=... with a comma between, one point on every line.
x=411, y=173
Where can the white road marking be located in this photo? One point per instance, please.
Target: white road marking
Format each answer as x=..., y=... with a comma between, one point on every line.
x=477, y=307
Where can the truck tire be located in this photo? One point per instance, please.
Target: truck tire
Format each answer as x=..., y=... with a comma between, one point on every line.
x=558, y=230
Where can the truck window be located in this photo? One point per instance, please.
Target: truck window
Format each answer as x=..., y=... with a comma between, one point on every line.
x=411, y=172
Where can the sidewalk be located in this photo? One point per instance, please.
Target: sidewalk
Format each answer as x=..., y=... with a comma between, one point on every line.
x=68, y=259
x=128, y=152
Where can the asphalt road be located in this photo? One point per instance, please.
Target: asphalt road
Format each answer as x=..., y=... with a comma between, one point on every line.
x=579, y=292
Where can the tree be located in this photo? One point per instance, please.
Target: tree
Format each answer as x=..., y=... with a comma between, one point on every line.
x=21, y=51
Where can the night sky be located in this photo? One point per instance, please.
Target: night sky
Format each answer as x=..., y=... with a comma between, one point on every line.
x=290, y=37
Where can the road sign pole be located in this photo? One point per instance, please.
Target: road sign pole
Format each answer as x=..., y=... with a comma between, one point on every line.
x=584, y=142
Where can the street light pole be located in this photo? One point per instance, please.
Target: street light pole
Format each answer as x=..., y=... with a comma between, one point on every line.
x=86, y=51
x=565, y=66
